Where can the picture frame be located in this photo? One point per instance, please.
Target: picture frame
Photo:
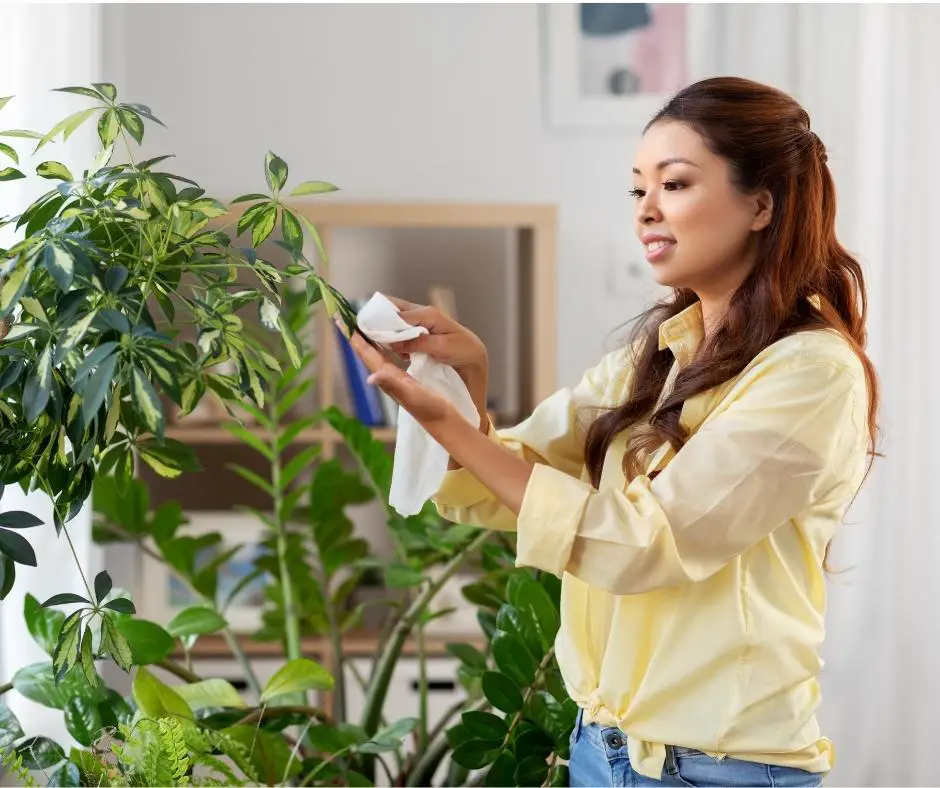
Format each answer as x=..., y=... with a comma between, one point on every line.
x=576, y=65
x=161, y=596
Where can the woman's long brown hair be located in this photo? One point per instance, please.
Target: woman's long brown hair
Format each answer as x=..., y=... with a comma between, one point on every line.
x=765, y=137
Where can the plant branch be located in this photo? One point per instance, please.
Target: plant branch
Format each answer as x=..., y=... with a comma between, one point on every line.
x=386, y=663
x=4, y=688
x=179, y=671
x=266, y=712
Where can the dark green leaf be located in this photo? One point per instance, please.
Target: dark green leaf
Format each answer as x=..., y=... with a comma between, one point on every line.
x=531, y=771
x=10, y=174
x=121, y=605
x=502, y=692
x=91, y=361
x=68, y=775
x=263, y=227
x=54, y=170
x=40, y=753
x=484, y=725
x=7, y=576
x=97, y=387
x=502, y=772
x=60, y=264
x=12, y=373
x=513, y=659
x=103, y=585
x=476, y=754
x=275, y=171
x=109, y=125
x=38, y=386
x=269, y=752
x=37, y=683
x=65, y=599
x=530, y=740
x=114, y=278
x=292, y=231
x=389, y=738
x=330, y=739
x=10, y=729
x=525, y=593
x=469, y=655
x=149, y=642
x=67, y=648
x=83, y=720
x=481, y=593
x=313, y=187
x=196, y=621
x=131, y=121
x=19, y=520
x=169, y=459
x=402, y=576
x=17, y=548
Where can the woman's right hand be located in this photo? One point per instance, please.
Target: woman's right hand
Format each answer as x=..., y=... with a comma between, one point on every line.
x=448, y=342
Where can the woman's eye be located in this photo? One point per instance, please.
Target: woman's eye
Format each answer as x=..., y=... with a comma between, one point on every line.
x=637, y=193
x=672, y=186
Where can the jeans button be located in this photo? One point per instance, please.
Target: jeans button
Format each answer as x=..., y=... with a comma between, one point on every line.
x=614, y=740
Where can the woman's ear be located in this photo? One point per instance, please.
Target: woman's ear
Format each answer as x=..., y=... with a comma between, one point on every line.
x=763, y=210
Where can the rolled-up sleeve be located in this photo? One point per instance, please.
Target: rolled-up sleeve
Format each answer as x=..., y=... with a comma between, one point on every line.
x=553, y=436
x=757, y=461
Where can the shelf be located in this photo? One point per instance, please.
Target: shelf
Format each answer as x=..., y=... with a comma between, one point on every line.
x=357, y=644
x=218, y=435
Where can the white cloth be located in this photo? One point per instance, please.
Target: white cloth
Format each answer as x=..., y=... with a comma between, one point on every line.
x=420, y=461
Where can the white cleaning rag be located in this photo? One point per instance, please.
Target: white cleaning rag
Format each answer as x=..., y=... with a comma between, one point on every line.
x=420, y=461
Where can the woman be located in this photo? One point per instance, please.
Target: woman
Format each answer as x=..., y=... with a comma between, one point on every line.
x=687, y=488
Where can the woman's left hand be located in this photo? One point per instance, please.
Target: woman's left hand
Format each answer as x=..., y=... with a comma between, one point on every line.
x=428, y=407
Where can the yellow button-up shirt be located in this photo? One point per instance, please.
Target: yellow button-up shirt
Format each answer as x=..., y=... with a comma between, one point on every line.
x=693, y=604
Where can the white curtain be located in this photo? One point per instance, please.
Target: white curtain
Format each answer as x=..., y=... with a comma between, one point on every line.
x=45, y=46
x=867, y=75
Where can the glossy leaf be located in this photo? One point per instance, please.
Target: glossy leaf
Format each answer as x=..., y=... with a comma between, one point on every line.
x=196, y=621
x=97, y=387
x=10, y=729
x=83, y=720
x=38, y=386
x=149, y=642
x=19, y=520
x=40, y=752
x=37, y=683
x=11, y=174
x=103, y=585
x=68, y=775
x=115, y=644
x=531, y=771
x=485, y=725
x=513, y=659
x=275, y=172
x=60, y=264
x=54, y=170
x=43, y=624
x=390, y=737
x=297, y=675
x=211, y=693
x=313, y=187
x=9, y=152
x=476, y=754
x=155, y=699
x=17, y=548
x=502, y=692
x=146, y=403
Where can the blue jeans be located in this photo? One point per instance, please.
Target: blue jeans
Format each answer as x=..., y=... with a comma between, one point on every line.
x=599, y=758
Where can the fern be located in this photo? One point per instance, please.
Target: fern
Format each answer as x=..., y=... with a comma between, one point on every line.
x=13, y=761
x=174, y=748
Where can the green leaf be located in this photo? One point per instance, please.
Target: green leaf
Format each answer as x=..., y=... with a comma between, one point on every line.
x=103, y=585
x=115, y=644
x=255, y=479
x=59, y=264
x=249, y=197
x=292, y=231
x=476, y=754
x=249, y=438
x=313, y=187
x=526, y=593
x=403, y=576
x=275, y=171
x=83, y=720
x=149, y=642
x=12, y=289
x=513, y=659
x=96, y=389
x=264, y=226
x=40, y=753
x=469, y=655
x=502, y=692
x=208, y=208
x=268, y=754
x=67, y=649
x=7, y=576
x=88, y=659
x=106, y=89
x=292, y=343
x=389, y=738
x=79, y=90
x=11, y=153
x=170, y=459
x=10, y=729
x=37, y=683
x=19, y=520
x=330, y=739
x=17, y=548
x=531, y=771
x=109, y=125
x=68, y=775
x=155, y=699
x=43, y=624
x=73, y=335
x=196, y=621
x=211, y=693
x=132, y=122
x=10, y=174
x=54, y=170
x=146, y=403
x=121, y=605
x=67, y=126
x=66, y=599
x=502, y=772
x=297, y=675
x=4, y=100
x=484, y=725
x=555, y=718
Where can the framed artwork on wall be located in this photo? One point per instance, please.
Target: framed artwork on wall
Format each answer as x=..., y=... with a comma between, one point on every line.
x=162, y=595
x=613, y=65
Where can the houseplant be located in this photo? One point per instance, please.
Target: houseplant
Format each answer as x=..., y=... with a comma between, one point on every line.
x=85, y=366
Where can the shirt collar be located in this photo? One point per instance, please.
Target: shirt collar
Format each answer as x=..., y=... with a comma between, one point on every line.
x=683, y=333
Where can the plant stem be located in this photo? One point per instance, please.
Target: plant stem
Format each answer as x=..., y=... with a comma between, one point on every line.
x=4, y=688
x=385, y=666
x=265, y=712
x=179, y=671
x=336, y=646
x=291, y=619
x=422, y=690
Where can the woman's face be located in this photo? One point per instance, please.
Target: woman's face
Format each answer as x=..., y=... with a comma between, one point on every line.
x=697, y=228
